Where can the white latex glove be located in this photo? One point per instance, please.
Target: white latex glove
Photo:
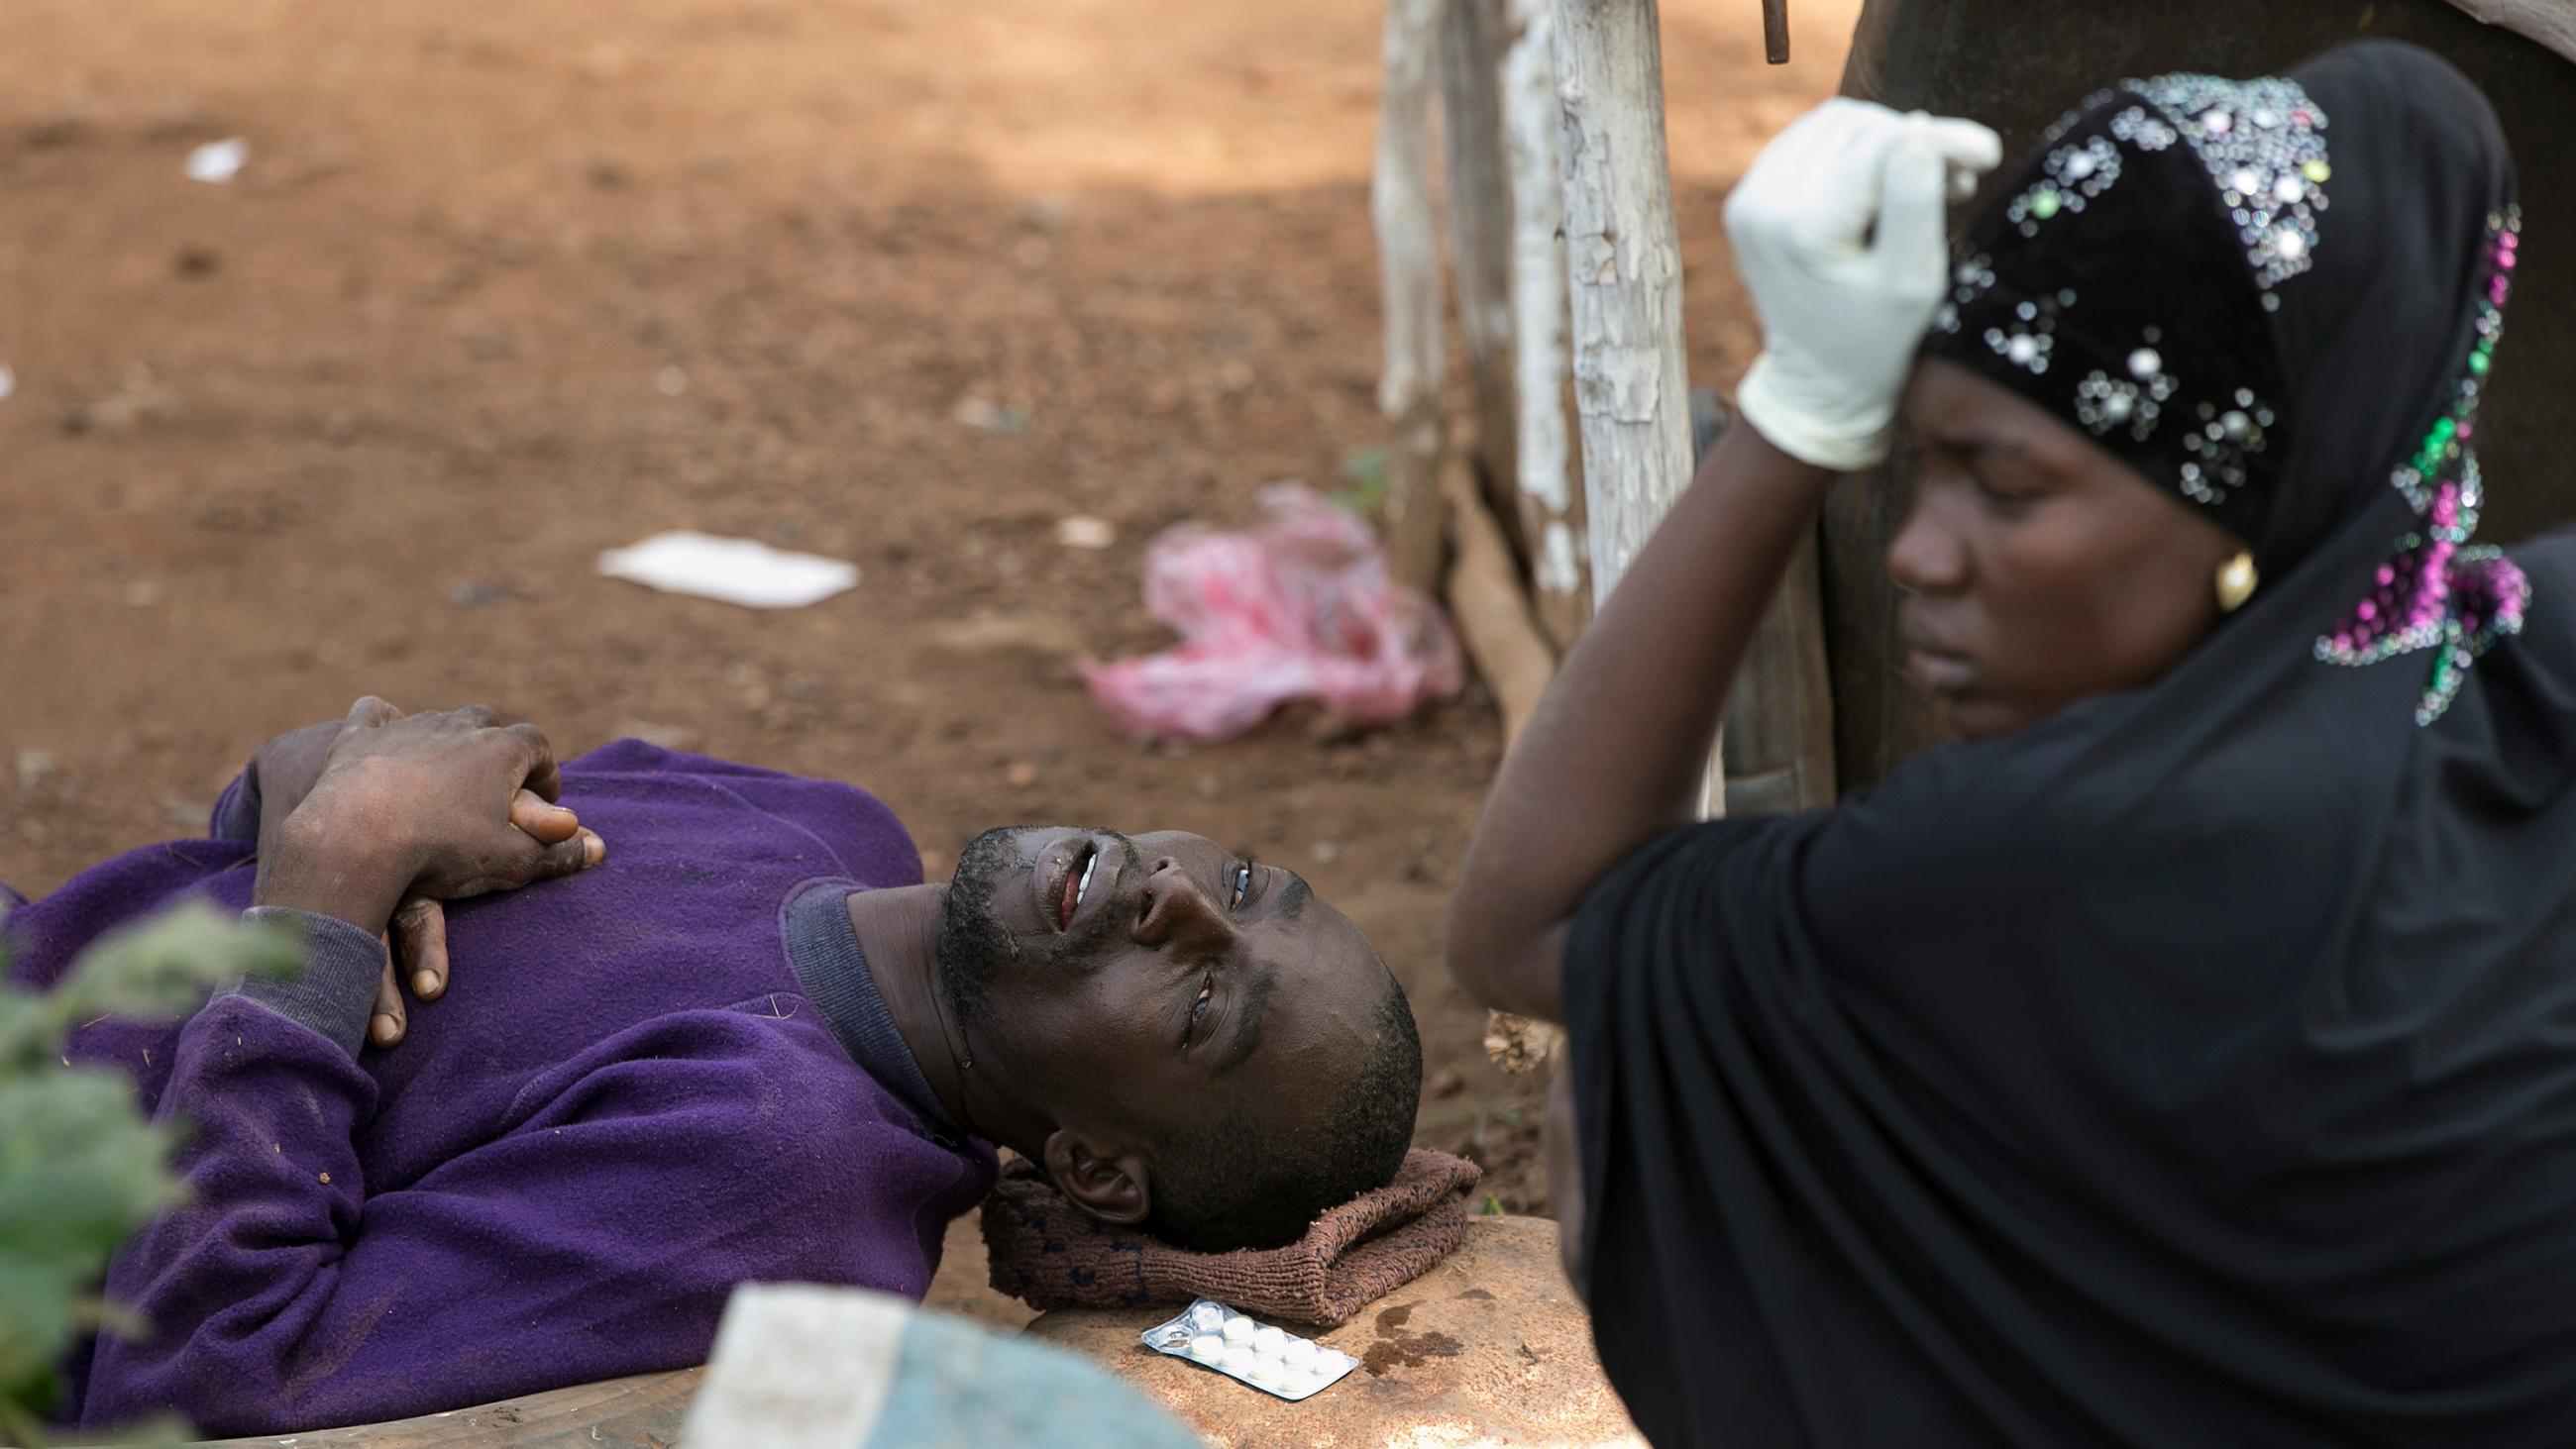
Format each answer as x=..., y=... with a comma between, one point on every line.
x=1839, y=233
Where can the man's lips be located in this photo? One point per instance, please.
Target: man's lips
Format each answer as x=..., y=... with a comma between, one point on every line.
x=1074, y=875
x=1068, y=896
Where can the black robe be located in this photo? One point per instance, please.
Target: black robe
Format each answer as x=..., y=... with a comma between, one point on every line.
x=2197, y=1067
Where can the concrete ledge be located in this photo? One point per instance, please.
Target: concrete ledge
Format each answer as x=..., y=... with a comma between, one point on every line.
x=1491, y=1347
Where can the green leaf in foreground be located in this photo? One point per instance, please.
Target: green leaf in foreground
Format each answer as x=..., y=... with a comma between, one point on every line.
x=80, y=1168
x=158, y=970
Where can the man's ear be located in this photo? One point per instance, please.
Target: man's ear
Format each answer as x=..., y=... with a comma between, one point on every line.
x=1109, y=1185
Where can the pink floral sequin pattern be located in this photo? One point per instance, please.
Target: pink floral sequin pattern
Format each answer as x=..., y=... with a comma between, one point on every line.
x=2438, y=593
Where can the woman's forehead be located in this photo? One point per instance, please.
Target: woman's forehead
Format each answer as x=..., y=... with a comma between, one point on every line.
x=1950, y=405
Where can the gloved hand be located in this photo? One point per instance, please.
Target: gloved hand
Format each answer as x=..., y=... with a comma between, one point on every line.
x=1839, y=234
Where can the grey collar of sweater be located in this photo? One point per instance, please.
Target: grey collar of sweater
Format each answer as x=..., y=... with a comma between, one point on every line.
x=823, y=950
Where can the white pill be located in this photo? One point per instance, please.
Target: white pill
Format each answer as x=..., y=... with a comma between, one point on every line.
x=1207, y=1347
x=1269, y=1340
x=1299, y=1354
x=1237, y=1330
x=1264, y=1371
x=1305, y=1384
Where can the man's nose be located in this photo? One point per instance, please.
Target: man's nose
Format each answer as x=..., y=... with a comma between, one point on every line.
x=1176, y=912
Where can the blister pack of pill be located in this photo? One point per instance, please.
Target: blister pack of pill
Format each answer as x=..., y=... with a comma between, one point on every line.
x=1268, y=1358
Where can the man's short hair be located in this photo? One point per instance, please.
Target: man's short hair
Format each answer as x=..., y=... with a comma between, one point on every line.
x=1232, y=1184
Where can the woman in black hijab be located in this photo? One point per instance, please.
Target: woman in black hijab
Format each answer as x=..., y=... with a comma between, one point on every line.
x=2188, y=1057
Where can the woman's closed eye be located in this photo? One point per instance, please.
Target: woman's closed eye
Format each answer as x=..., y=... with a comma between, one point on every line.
x=2001, y=496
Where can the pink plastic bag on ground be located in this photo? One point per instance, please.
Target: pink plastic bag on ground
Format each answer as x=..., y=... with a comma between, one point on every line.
x=1299, y=606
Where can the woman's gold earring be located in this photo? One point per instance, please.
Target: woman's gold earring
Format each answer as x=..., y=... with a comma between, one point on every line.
x=2236, y=581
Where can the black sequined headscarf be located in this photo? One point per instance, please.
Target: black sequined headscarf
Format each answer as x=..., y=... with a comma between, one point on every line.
x=2279, y=298
x=2194, y=1065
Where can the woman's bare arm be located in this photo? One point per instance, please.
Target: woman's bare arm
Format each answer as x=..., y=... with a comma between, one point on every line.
x=1619, y=744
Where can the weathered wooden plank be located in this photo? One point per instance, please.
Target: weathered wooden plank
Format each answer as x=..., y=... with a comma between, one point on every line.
x=1479, y=208
x=1779, y=724
x=1624, y=274
x=1623, y=267
x=1491, y=606
x=1409, y=284
x=1551, y=510
x=1779, y=752
x=643, y=1412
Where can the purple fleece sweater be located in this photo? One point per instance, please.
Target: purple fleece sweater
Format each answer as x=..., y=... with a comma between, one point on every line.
x=647, y=1083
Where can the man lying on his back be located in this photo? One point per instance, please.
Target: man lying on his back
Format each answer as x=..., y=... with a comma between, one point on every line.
x=749, y=1044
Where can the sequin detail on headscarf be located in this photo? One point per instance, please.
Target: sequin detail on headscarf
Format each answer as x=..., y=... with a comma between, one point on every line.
x=2437, y=593
x=2073, y=176
x=2264, y=144
x=2262, y=141
x=2261, y=145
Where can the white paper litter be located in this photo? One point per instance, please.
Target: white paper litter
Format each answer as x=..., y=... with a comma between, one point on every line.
x=217, y=162
x=1083, y=531
x=735, y=570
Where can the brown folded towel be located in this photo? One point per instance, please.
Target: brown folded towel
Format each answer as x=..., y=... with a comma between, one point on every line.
x=1050, y=1254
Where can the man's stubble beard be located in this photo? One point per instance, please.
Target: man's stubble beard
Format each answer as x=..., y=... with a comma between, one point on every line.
x=973, y=944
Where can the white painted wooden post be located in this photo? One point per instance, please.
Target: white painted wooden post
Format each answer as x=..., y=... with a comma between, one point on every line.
x=1400, y=202
x=1623, y=264
x=1477, y=194
x=1552, y=519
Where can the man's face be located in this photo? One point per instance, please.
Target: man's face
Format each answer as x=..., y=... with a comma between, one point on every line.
x=1142, y=985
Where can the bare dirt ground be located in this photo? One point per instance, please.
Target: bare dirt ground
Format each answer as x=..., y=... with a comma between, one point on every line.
x=505, y=284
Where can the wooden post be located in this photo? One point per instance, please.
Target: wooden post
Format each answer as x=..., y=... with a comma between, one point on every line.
x=1779, y=717
x=1490, y=604
x=1623, y=263
x=1551, y=514
x=1624, y=279
x=1408, y=393
x=1480, y=241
